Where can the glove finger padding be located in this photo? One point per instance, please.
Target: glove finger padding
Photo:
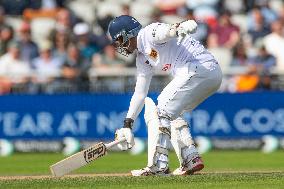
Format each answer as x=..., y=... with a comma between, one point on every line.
x=192, y=26
x=129, y=137
x=189, y=26
x=127, y=133
x=122, y=145
x=185, y=28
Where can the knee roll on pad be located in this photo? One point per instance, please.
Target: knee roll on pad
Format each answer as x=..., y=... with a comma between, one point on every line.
x=165, y=119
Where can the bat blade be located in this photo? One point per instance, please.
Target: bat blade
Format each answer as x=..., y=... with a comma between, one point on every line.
x=78, y=160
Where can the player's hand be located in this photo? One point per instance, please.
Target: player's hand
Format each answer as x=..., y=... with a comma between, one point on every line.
x=128, y=135
x=185, y=28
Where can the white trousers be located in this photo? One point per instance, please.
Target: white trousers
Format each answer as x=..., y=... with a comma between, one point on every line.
x=192, y=85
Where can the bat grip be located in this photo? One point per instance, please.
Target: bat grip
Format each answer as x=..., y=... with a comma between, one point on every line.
x=115, y=142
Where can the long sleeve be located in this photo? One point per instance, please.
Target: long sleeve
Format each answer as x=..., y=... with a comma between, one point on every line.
x=137, y=100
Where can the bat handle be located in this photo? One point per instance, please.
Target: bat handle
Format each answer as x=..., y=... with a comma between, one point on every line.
x=115, y=142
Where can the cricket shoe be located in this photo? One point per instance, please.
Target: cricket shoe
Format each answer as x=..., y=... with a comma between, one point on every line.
x=147, y=171
x=192, y=166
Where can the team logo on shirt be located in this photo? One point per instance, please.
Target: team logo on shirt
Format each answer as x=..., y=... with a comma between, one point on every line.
x=166, y=67
x=153, y=54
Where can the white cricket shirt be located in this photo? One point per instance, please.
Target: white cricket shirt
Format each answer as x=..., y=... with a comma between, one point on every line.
x=167, y=56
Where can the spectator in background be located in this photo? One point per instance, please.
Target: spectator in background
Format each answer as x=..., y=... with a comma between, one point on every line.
x=169, y=6
x=6, y=35
x=269, y=14
x=264, y=82
x=2, y=17
x=260, y=28
x=281, y=15
x=274, y=44
x=202, y=30
x=103, y=22
x=257, y=75
x=125, y=9
x=240, y=57
x=29, y=49
x=46, y=4
x=47, y=67
x=64, y=21
x=248, y=81
x=84, y=41
x=42, y=8
x=249, y=4
x=156, y=15
x=63, y=34
x=13, y=69
x=203, y=10
x=108, y=59
x=60, y=41
x=5, y=85
x=15, y=7
x=225, y=34
x=264, y=62
x=75, y=70
x=235, y=7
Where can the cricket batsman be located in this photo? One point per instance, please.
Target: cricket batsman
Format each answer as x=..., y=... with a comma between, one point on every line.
x=196, y=76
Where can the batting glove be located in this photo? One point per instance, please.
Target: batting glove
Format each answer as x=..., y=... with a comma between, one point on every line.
x=126, y=133
x=185, y=28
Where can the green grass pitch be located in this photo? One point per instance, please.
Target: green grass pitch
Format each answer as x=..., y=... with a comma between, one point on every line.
x=223, y=169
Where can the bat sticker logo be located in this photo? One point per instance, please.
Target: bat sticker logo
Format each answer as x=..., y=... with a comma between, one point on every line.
x=93, y=153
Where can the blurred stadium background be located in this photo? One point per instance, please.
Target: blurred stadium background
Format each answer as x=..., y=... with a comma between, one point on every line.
x=63, y=86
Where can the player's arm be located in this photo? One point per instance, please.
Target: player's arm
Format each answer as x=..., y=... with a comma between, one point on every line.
x=137, y=100
x=143, y=81
x=164, y=32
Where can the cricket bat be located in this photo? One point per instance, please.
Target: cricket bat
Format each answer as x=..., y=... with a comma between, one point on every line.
x=82, y=158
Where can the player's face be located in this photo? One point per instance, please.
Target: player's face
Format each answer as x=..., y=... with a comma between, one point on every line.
x=132, y=45
x=128, y=47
